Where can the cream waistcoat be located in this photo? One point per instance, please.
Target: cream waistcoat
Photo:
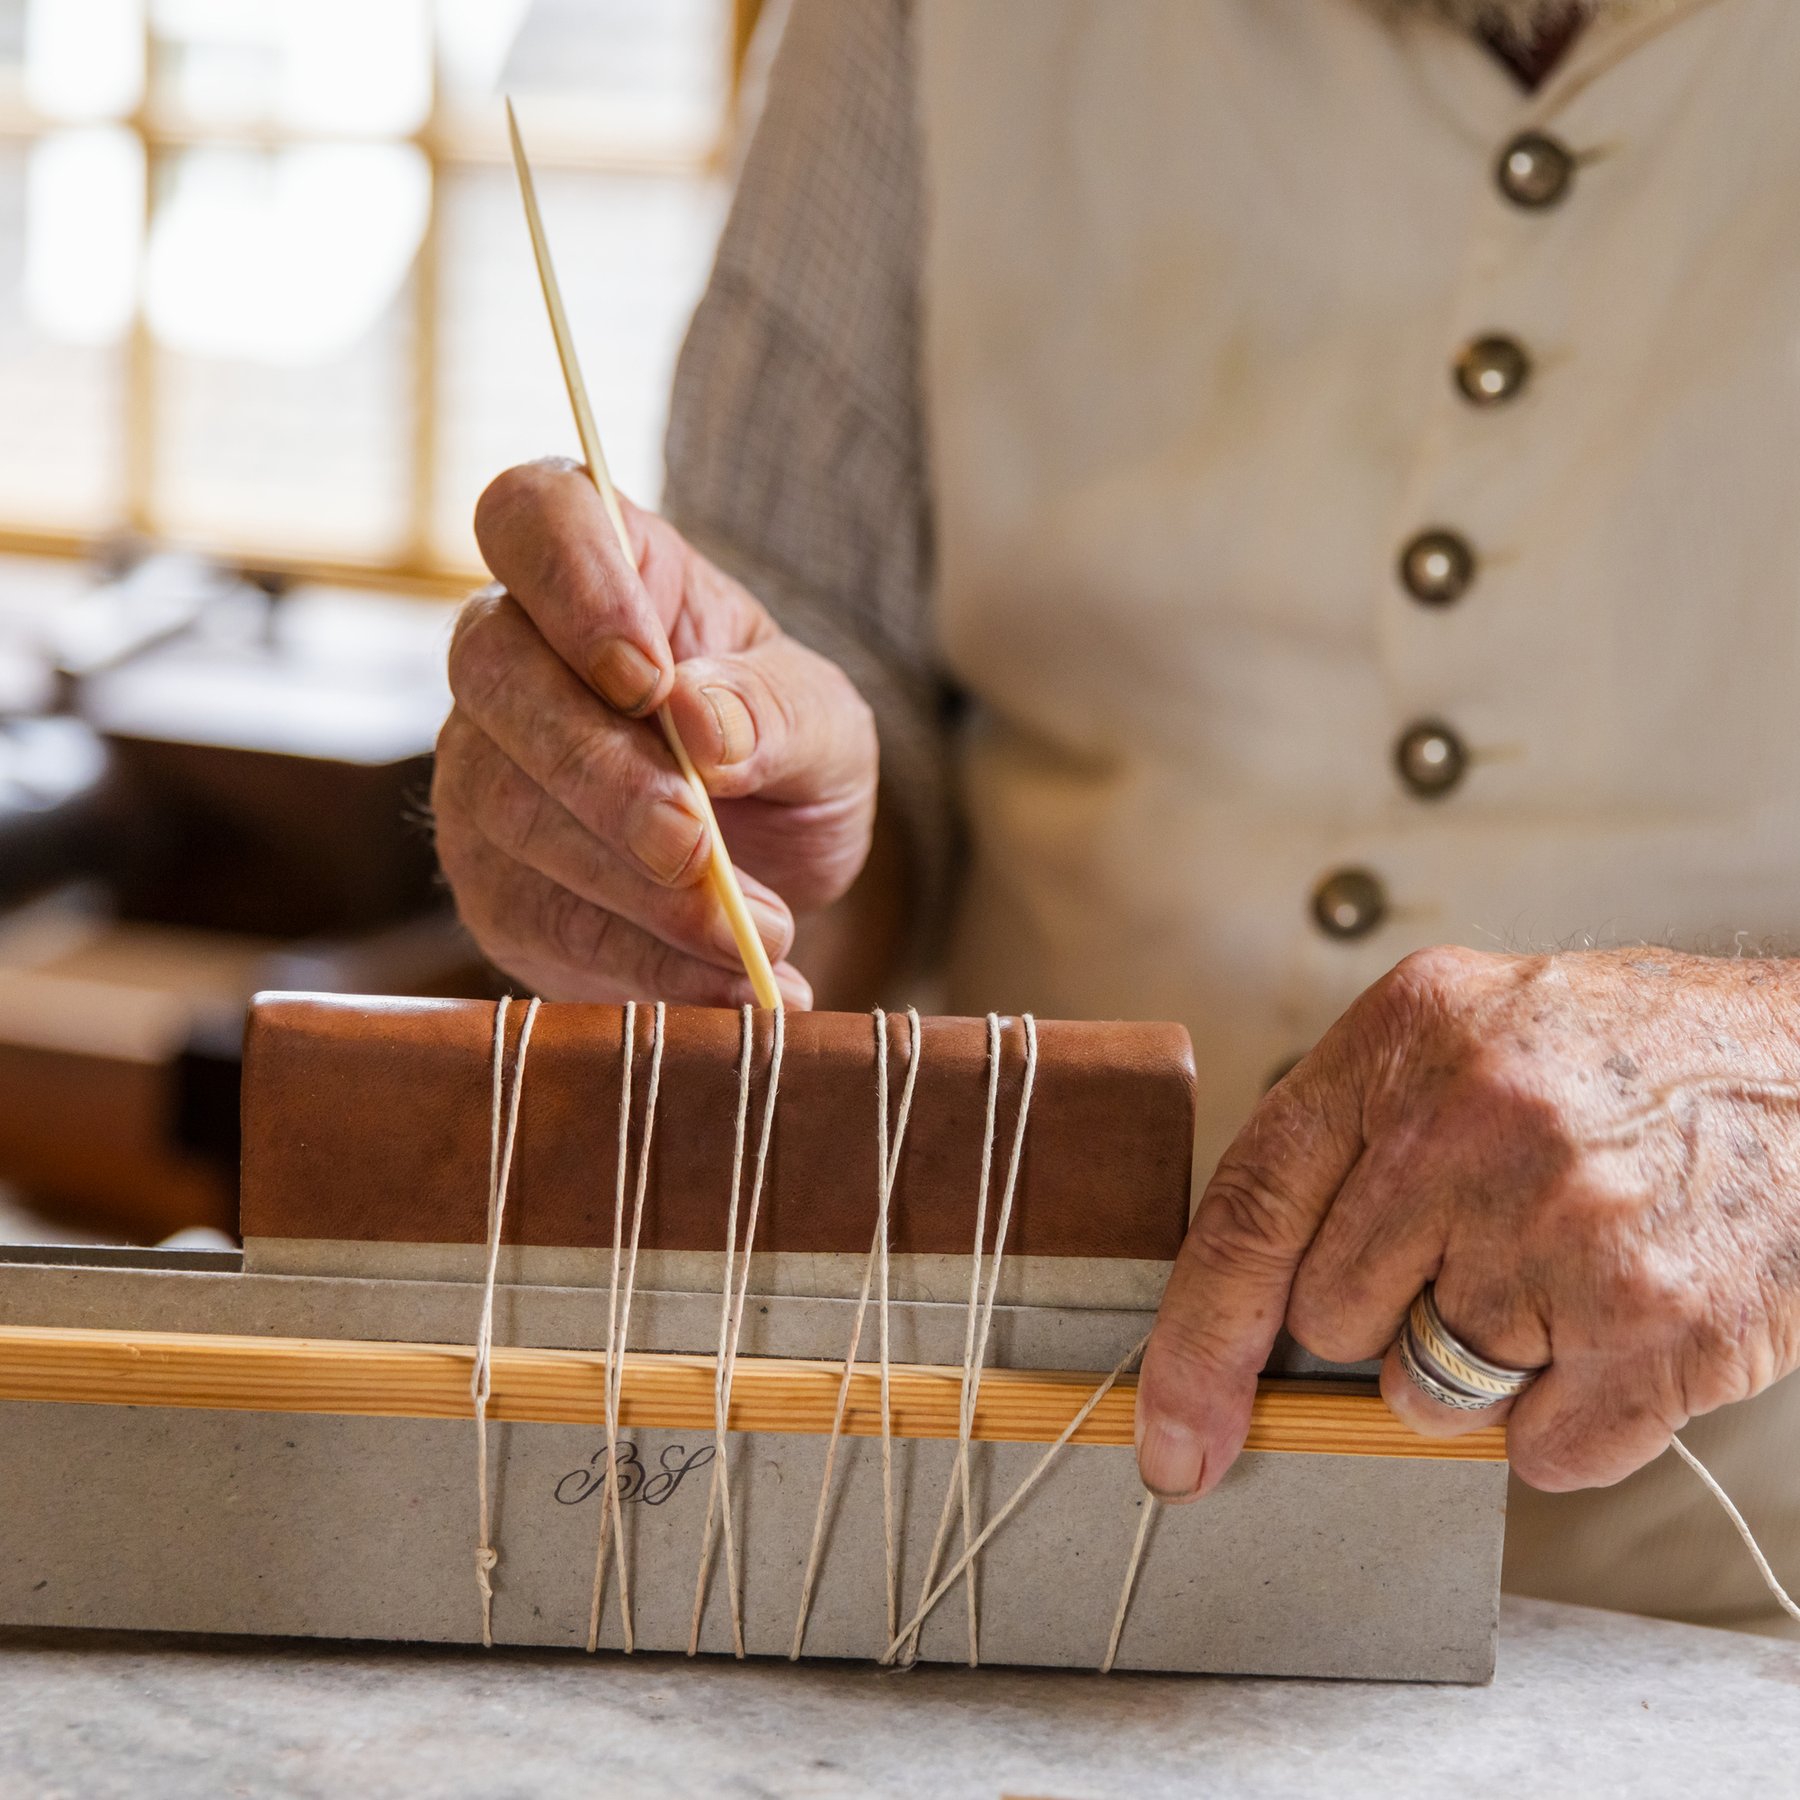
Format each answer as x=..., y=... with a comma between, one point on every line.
x=1195, y=279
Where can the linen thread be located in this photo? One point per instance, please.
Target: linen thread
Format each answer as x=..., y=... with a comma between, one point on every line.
x=745, y=1043
x=481, y=1379
x=1149, y=1504
x=1782, y=1598
x=1037, y=1473
x=731, y=1323
x=981, y=1313
x=618, y=1314
x=886, y=1169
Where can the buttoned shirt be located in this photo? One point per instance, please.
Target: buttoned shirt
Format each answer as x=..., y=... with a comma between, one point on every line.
x=1291, y=497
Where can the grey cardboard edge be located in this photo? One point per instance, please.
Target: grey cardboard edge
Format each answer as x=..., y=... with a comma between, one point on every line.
x=149, y=1290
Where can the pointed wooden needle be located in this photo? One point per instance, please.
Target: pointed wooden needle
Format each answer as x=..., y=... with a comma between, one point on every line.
x=720, y=873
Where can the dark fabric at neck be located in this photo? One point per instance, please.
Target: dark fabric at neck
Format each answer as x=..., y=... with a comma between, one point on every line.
x=1532, y=58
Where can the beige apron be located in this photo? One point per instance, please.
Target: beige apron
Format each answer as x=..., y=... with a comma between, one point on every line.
x=1196, y=275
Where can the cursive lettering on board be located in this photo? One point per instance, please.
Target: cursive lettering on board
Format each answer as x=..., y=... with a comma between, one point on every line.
x=649, y=1487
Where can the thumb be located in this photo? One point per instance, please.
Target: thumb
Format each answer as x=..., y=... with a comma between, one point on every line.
x=1228, y=1291
x=776, y=720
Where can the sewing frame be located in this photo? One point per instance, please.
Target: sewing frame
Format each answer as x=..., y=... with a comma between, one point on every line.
x=197, y=1445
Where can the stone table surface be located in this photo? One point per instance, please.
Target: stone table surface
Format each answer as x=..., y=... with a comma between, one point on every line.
x=1585, y=1703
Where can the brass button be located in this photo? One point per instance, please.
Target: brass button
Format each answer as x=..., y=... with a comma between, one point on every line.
x=1535, y=169
x=1492, y=369
x=1436, y=567
x=1431, y=759
x=1349, y=903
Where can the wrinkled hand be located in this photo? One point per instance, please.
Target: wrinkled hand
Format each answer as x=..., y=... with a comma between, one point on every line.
x=572, y=844
x=1597, y=1158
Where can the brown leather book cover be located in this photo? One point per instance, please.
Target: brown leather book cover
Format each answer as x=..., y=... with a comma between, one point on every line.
x=368, y=1120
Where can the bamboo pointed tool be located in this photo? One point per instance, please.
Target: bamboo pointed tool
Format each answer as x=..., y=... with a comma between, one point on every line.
x=720, y=873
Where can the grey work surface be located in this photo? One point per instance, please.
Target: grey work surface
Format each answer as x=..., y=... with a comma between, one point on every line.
x=1585, y=1703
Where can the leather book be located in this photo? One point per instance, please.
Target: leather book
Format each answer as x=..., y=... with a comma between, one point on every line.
x=369, y=1120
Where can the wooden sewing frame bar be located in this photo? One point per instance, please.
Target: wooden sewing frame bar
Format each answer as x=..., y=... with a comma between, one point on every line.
x=668, y=1391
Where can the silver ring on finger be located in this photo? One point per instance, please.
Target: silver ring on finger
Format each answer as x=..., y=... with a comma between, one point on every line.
x=1443, y=1367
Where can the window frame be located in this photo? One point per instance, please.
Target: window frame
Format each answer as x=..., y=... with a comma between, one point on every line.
x=446, y=145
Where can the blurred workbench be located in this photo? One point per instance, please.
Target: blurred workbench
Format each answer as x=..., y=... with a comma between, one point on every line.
x=210, y=783
x=1585, y=1703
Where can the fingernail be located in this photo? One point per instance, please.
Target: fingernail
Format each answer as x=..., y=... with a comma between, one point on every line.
x=772, y=924
x=731, y=718
x=796, y=990
x=625, y=675
x=1171, y=1459
x=667, y=839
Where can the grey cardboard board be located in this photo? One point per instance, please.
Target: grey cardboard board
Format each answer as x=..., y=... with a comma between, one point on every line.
x=160, y=1290
x=175, y=1519
x=1119, y=1283
x=440, y=1312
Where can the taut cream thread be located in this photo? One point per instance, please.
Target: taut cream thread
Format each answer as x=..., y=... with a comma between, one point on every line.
x=746, y=1043
x=618, y=1313
x=887, y=1167
x=1038, y=1470
x=1149, y=1504
x=731, y=1324
x=481, y=1380
x=981, y=1311
x=609, y=1501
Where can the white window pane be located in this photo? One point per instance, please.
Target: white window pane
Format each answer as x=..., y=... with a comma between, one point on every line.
x=474, y=37
x=342, y=66
x=62, y=450
x=623, y=52
x=279, y=298
x=84, y=227
x=283, y=257
x=646, y=80
x=632, y=254
x=289, y=460
x=84, y=59
x=276, y=285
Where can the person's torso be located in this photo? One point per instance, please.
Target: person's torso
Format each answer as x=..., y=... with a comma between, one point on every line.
x=1196, y=279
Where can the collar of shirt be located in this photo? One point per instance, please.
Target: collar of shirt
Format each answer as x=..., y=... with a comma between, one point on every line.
x=1532, y=58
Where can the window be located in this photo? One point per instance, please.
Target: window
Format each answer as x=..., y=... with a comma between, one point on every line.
x=265, y=287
